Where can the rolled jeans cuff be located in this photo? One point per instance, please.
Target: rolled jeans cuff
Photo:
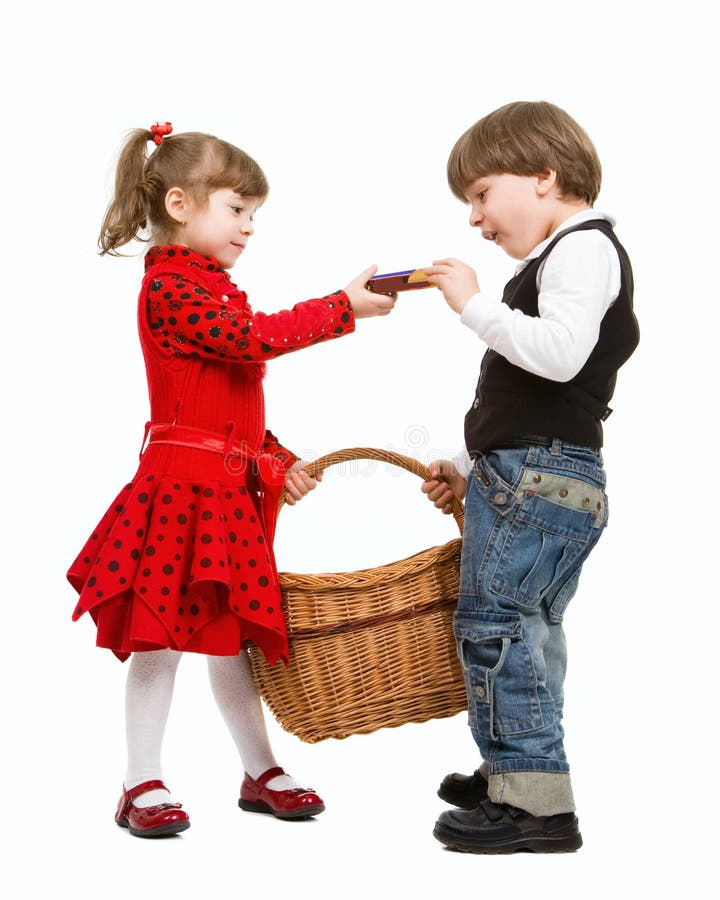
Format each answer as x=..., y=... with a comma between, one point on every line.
x=539, y=793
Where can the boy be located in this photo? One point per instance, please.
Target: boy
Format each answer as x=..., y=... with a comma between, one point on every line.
x=533, y=470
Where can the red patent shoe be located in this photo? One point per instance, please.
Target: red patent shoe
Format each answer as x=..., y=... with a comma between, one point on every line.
x=150, y=821
x=295, y=803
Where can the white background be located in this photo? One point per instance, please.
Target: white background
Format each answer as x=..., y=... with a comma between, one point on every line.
x=352, y=111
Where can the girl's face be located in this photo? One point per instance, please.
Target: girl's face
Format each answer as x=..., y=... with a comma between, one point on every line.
x=221, y=227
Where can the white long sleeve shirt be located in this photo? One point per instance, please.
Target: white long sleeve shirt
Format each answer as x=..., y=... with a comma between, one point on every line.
x=577, y=283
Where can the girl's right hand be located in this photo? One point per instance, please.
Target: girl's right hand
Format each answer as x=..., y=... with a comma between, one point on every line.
x=364, y=302
x=445, y=481
x=298, y=483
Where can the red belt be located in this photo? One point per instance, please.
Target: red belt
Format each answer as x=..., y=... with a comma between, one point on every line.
x=268, y=471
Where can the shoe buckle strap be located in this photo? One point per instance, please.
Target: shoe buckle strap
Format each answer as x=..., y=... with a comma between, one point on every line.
x=263, y=779
x=143, y=788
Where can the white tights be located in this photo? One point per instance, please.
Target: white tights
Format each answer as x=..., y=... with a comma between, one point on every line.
x=150, y=683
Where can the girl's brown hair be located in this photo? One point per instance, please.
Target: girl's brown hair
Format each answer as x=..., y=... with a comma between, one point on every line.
x=197, y=163
x=527, y=138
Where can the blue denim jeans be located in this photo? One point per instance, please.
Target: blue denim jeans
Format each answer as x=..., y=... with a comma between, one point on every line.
x=533, y=513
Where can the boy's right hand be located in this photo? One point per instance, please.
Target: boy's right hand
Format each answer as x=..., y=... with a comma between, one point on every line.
x=364, y=303
x=457, y=280
x=445, y=482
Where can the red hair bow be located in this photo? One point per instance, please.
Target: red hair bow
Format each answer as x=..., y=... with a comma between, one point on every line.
x=160, y=130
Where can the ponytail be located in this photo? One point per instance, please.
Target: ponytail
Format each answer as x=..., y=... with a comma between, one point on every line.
x=135, y=195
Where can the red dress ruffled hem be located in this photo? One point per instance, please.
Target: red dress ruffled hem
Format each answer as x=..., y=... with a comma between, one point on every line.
x=182, y=565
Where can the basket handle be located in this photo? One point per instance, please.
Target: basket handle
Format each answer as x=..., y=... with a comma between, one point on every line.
x=388, y=456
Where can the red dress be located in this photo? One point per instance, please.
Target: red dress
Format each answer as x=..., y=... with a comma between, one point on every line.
x=183, y=556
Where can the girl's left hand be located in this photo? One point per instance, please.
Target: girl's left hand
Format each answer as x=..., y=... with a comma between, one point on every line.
x=298, y=483
x=456, y=280
x=364, y=302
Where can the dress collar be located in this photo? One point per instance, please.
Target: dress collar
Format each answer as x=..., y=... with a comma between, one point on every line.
x=179, y=255
x=214, y=277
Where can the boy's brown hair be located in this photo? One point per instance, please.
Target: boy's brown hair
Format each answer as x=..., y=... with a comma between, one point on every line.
x=198, y=163
x=527, y=138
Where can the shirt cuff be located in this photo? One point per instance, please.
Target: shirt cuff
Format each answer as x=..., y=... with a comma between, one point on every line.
x=463, y=463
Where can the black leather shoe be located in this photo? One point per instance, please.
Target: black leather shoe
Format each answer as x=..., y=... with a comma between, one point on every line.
x=465, y=791
x=499, y=828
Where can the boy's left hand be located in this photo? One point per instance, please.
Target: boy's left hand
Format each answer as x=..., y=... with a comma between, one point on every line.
x=298, y=483
x=456, y=280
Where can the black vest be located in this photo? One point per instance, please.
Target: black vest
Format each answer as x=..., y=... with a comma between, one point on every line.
x=512, y=404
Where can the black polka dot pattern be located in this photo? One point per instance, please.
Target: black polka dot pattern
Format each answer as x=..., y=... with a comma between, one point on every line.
x=186, y=318
x=131, y=577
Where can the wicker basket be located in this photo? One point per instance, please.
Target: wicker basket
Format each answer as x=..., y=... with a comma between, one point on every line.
x=368, y=649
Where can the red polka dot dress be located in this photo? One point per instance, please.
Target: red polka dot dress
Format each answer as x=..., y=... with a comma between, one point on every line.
x=183, y=556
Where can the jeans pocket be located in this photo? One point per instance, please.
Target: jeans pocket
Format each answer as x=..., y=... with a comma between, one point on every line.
x=555, y=525
x=500, y=676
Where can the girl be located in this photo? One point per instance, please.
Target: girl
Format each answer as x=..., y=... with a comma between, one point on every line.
x=182, y=560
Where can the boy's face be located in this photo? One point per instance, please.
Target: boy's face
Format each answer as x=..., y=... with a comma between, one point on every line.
x=512, y=210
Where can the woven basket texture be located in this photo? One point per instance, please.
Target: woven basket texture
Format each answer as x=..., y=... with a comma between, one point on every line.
x=372, y=648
